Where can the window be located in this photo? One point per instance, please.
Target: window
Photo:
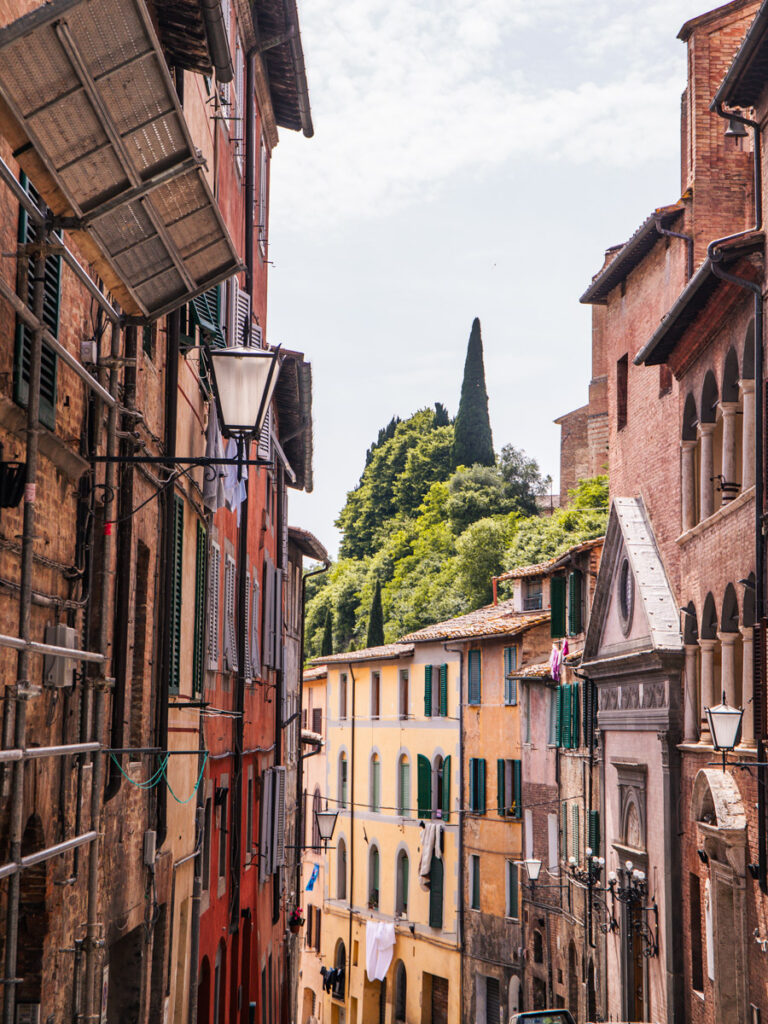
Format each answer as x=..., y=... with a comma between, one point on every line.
x=316, y=806
x=474, y=662
x=437, y=787
x=375, y=783
x=474, y=881
x=593, y=832
x=622, y=374
x=697, y=945
x=401, y=896
x=477, y=785
x=404, y=787
x=201, y=565
x=222, y=796
x=214, y=569
x=317, y=721
x=249, y=815
x=342, y=781
x=403, y=693
x=533, y=597
x=340, y=963
x=177, y=570
x=435, y=690
x=568, y=718
x=510, y=683
x=509, y=787
x=400, y=992
x=341, y=870
x=436, y=892
x=553, y=831
x=375, y=694
x=557, y=606
x=564, y=830
x=207, y=844
x=230, y=629
x=538, y=948
x=576, y=840
x=139, y=657
x=373, y=877
x=575, y=597
x=342, y=695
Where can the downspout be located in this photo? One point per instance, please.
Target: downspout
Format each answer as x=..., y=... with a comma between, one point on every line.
x=348, y=964
x=235, y=846
x=715, y=255
x=460, y=908
x=688, y=239
x=218, y=44
x=250, y=168
x=23, y=690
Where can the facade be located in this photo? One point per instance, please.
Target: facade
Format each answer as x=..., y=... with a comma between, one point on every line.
x=131, y=849
x=392, y=757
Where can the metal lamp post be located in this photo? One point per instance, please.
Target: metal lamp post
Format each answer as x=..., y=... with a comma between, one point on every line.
x=243, y=380
x=724, y=726
x=326, y=824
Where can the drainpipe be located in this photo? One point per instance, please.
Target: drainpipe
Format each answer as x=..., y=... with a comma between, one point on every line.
x=688, y=239
x=348, y=964
x=218, y=44
x=460, y=914
x=714, y=252
x=235, y=847
x=250, y=167
x=23, y=690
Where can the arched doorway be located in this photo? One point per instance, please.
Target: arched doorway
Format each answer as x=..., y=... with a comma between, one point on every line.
x=591, y=992
x=573, y=982
x=204, y=993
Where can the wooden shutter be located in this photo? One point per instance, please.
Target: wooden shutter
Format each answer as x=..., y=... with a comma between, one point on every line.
x=492, y=1001
x=318, y=928
x=576, y=831
x=376, y=785
x=230, y=631
x=28, y=234
x=265, y=827
x=205, y=312
x=574, y=603
x=517, y=787
x=557, y=606
x=268, y=616
x=177, y=580
x=405, y=785
x=510, y=683
x=427, y=691
x=278, y=817
x=475, y=882
x=447, y=788
x=594, y=832
x=588, y=712
x=436, y=892
x=242, y=316
x=575, y=717
x=565, y=717
x=564, y=830
x=557, y=699
x=255, y=639
x=472, y=784
x=317, y=720
x=264, y=448
x=247, y=669
x=474, y=668
x=424, y=778
x=444, y=691
x=201, y=563
x=481, y=783
x=214, y=587
x=512, y=882
x=278, y=619
x=501, y=802
x=310, y=915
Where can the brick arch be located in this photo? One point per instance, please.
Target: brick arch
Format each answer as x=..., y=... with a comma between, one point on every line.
x=729, y=622
x=708, y=629
x=709, y=398
x=690, y=418
x=731, y=376
x=690, y=624
x=748, y=357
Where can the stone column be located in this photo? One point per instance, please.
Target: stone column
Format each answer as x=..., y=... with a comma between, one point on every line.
x=728, y=667
x=729, y=410
x=747, y=687
x=689, y=485
x=692, y=712
x=707, y=490
x=707, y=685
x=748, y=434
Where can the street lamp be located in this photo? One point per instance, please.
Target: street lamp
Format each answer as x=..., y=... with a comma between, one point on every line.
x=532, y=868
x=243, y=380
x=724, y=726
x=326, y=823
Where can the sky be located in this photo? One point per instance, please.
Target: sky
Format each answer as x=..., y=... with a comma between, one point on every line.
x=470, y=158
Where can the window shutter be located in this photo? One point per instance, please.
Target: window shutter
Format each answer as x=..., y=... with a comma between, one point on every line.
x=247, y=670
x=205, y=313
x=230, y=631
x=444, y=691
x=268, y=603
x=575, y=717
x=265, y=826
x=198, y=658
x=474, y=666
x=557, y=606
x=447, y=788
x=587, y=706
x=264, y=449
x=594, y=832
x=310, y=915
x=564, y=830
x=318, y=927
x=424, y=777
x=513, y=890
x=436, y=892
x=475, y=882
x=242, y=316
x=492, y=1000
x=278, y=817
x=177, y=579
x=317, y=720
x=427, y=691
x=405, y=786
x=214, y=587
x=472, y=784
x=576, y=831
x=517, y=787
x=376, y=770
x=565, y=717
x=481, y=783
x=278, y=619
x=255, y=644
x=574, y=603
x=500, y=796
x=557, y=698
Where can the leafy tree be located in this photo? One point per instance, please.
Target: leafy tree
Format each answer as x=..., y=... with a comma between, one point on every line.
x=523, y=479
x=327, y=645
x=473, y=441
x=442, y=419
x=385, y=433
x=375, y=636
x=480, y=555
x=475, y=493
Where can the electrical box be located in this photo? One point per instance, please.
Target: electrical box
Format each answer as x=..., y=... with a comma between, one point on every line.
x=59, y=671
x=28, y=1013
x=150, y=847
x=88, y=351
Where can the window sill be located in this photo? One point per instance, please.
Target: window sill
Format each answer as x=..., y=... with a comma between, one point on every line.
x=725, y=510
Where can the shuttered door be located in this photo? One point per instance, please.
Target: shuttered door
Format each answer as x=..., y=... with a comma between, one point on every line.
x=174, y=638
x=574, y=603
x=424, y=777
x=28, y=234
x=201, y=561
x=427, y=691
x=383, y=1001
x=492, y=1001
x=439, y=1000
x=436, y=892
x=447, y=788
x=444, y=691
x=557, y=605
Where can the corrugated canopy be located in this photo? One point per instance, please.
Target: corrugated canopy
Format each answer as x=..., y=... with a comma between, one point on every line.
x=89, y=86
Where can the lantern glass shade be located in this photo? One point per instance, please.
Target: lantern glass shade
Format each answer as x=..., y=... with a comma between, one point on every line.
x=326, y=823
x=533, y=868
x=243, y=382
x=724, y=725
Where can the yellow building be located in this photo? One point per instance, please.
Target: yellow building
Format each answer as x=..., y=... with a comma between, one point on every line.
x=392, y=757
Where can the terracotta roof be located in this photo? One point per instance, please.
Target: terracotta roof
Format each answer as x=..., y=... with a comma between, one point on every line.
x=492, y=620
x=277, y=30
x=388, y=651
x=307, y=543
x=586, y=545
x=528, y=570
x=309, y=675
x=630, y=255
x=746, y=77
x=539, y=671
x=710, y=16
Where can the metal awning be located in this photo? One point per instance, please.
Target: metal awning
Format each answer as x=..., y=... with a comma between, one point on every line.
x=87, y=81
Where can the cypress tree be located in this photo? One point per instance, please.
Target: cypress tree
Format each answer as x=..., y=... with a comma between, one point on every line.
x=327, y=647
x=375, y=636
x=473, y=441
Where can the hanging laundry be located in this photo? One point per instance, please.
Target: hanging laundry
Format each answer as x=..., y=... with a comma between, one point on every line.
x=430, y=844
x=313, y=878
x=555, y=661
x=379, y=945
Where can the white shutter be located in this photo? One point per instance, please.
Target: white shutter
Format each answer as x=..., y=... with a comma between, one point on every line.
x=257, y=336
x=264, y=450
x=553, y=844
x=278, y=619
x=247, y=671
x=265, y=829
x=268, y=630
x=214, y=571
x=242, y=317
x=230, y=633
x=278, y=813
x=255, y=648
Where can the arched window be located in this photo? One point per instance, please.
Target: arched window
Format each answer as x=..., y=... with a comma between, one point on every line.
x=710, y=445
x=690, y=487
x=340, y=963
x=401, y=896
x=375, y=783
x=732, y=440
x=538, y=947
x=341, y=870
x=400, y=992
x=375, y=693
x=373, y=877
x=342, y=780
x=316, y=806
x=404, y=787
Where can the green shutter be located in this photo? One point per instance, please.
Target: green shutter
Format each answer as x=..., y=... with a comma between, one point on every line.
x=436, y=892
x=424, y=777
x=406, y=869
x=512, y=882
x=481, y=784
x=472, y=787
x=375, y=872
x=574, y=603
x=594, y=832
x=517, y=776
x=576, y=831
x=201, y=589
x=444, y=691
x=475, y=882
x=447, y=788
x=28, y=233
x=205, y=313
x=428, y=691
x=376, y=786
x=558, y=699
x=405, y=786
x=575, y=716
x=474, y=667
x=565, y=717
x=564, y=830
x=177, y=575
x=500, y=787
x=557, y=606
